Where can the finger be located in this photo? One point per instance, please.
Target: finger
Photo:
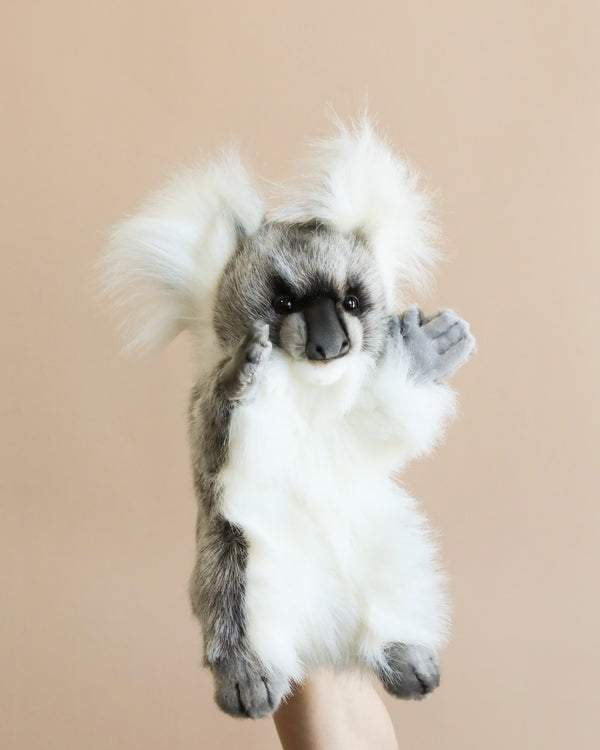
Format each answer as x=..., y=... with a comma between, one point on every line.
x=258, y=327
x=439, y=324
x=452, y=336
x=255, y=352
x=264, y=334
x=456, y=355
x=394, y=326
x=258, y=333
x=411, y=319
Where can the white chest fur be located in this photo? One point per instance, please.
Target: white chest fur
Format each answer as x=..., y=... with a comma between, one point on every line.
x=340, y=562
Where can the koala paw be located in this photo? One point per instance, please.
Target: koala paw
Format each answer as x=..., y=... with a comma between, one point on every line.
x=247, y=363
x=256, y=345
x=409, y=671
x=243, y=689
x=437, y=346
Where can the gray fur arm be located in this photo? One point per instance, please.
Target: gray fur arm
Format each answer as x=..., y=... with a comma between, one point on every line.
x=436, y=346
x=232, y=382
x=243, y=687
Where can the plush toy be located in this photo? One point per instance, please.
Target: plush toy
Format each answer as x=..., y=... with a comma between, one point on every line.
x=309, y=393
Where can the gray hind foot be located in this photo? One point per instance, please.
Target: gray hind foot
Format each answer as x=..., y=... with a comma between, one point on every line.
x=409, y=671
x=243, y=689
x=437, y=346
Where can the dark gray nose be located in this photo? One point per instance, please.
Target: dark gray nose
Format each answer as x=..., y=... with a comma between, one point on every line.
x=326, y=337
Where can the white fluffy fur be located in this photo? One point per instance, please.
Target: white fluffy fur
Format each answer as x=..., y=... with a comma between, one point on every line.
x=163, y=263
x=340, y=560
x=355, y=182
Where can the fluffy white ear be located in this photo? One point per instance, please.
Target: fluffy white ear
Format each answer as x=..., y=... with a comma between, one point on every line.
x=355, y=182
x=163, y=263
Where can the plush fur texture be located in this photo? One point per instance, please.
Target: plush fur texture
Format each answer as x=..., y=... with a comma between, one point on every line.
x=355, y=182
x=310, y=394
x=163, y=264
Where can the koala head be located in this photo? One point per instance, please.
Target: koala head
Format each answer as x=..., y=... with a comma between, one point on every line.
x=319, y=290
x=322, y=271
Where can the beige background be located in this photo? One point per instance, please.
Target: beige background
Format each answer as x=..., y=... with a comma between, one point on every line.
x=497, y=104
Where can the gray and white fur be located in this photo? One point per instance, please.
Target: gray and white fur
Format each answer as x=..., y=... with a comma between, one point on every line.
x=310, y=393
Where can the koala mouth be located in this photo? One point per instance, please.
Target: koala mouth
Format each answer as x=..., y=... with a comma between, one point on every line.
x=326, y=335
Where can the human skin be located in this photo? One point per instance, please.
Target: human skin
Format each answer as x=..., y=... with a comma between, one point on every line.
x=335, y=712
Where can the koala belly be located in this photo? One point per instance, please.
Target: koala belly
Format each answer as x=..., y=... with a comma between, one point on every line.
x=340, y=561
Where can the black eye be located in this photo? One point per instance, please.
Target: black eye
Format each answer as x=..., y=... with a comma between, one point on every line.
x=284, y=304
x=351, y=303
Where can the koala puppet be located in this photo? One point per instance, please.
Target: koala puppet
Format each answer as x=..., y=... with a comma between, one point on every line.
x=310, y=392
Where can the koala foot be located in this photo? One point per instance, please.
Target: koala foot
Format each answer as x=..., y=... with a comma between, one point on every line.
x=243, y=689
x=409, y=671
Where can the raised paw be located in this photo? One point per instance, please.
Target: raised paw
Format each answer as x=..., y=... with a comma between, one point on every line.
x=243, y=371
x=243, y=689
x=409, y=671
x=437, y=346
x=256, y=344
